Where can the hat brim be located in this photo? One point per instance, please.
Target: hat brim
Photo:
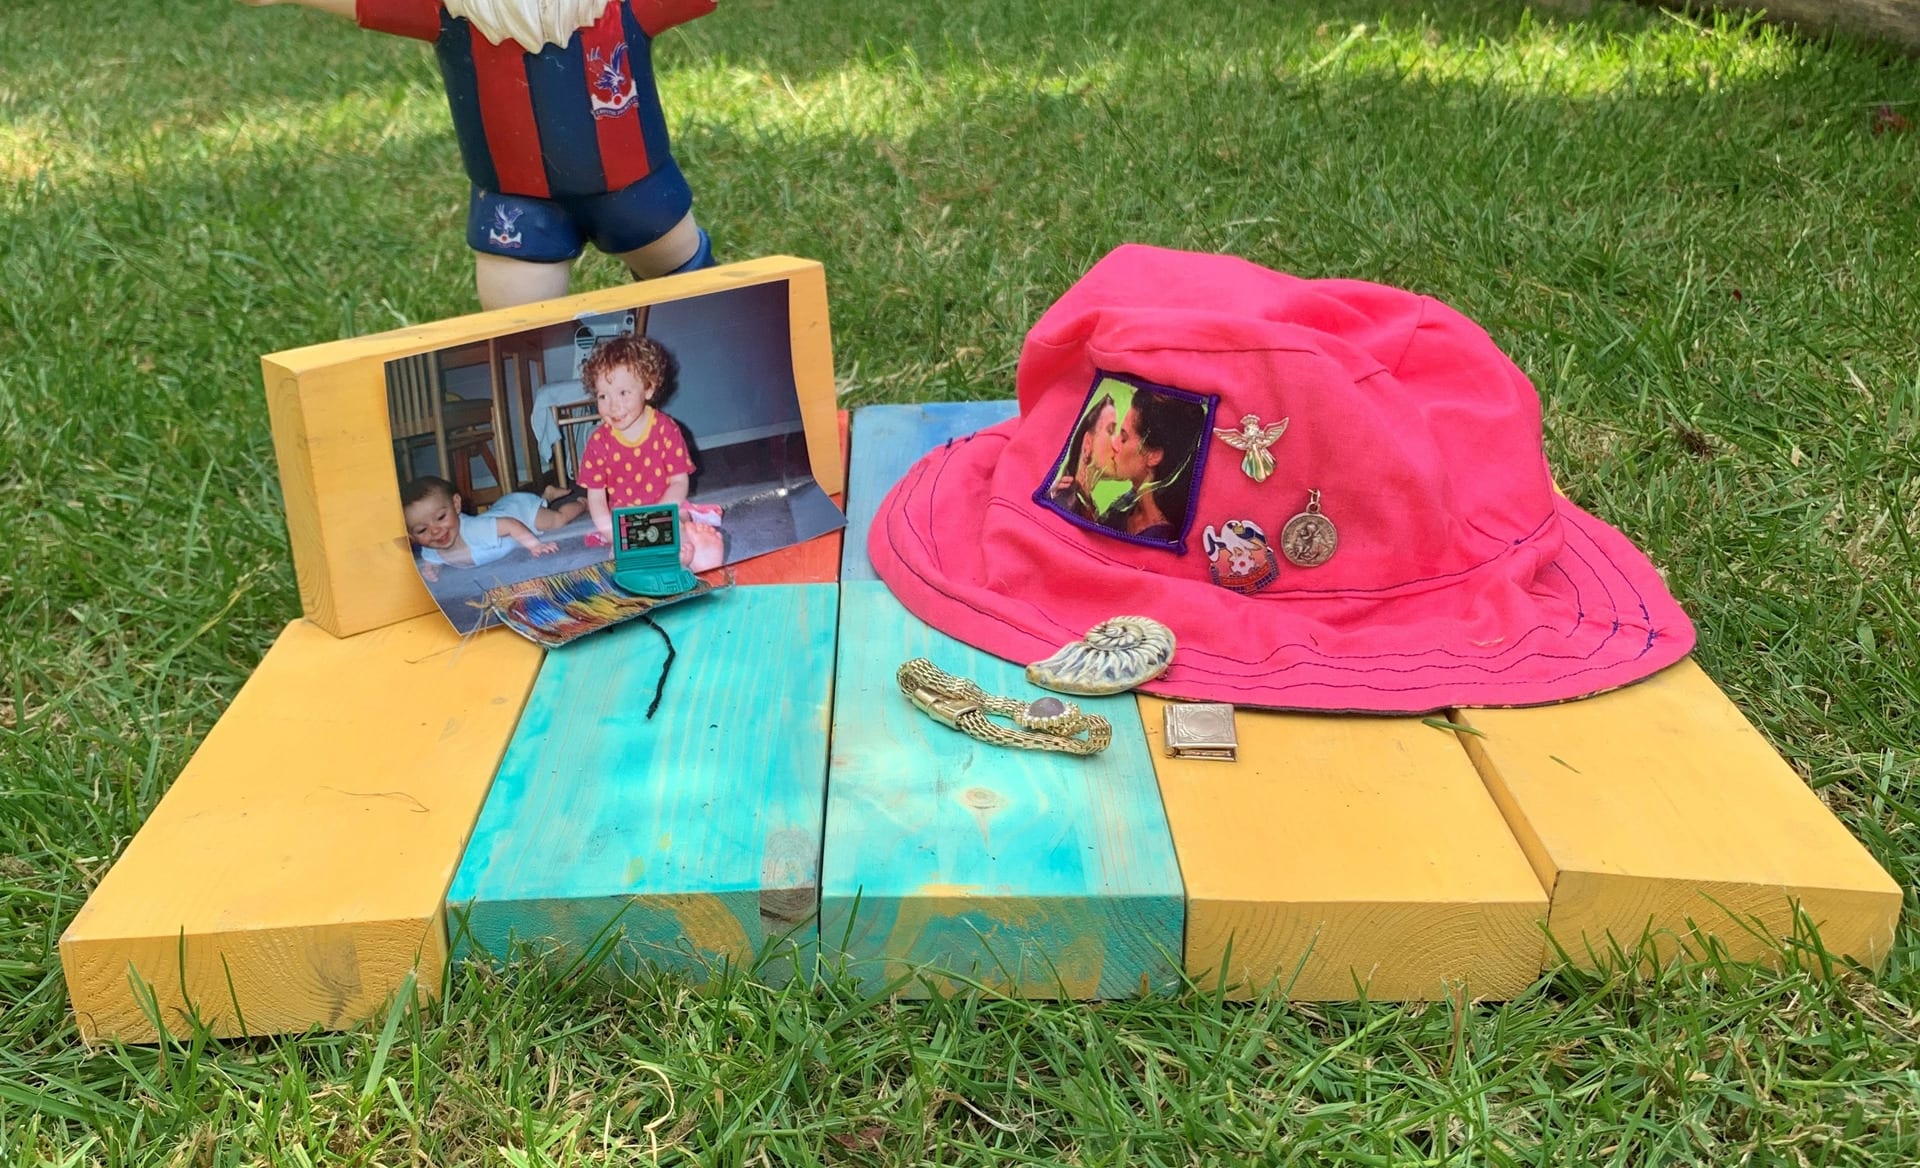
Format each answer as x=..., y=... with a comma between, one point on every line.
x=1592, y=615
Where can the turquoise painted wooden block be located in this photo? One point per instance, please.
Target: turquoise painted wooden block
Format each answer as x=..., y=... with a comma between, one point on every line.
x=694, y=838
x=887, y=440
x=1036, y=873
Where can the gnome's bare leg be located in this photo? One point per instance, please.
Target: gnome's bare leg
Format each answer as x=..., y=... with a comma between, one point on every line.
x=504, y=282
x=665, y=254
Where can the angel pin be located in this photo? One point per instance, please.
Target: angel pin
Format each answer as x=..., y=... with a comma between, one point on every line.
x=1252, y=439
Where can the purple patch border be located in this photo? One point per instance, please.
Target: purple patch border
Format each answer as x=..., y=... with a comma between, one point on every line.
x=1208, y=402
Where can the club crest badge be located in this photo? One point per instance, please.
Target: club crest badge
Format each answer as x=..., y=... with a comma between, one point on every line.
x=610, y=87
x=1239, y=557
x=1252, y=439
x=504, y=233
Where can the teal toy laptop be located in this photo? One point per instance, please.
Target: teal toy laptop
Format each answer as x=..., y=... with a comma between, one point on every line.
x=646, y=551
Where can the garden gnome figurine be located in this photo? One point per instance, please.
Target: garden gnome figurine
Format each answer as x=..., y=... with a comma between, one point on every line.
x=560, y=128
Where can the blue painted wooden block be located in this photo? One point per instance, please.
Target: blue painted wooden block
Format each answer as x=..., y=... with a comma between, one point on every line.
x=1035, y=873
x=887, y=440
x=692, y=839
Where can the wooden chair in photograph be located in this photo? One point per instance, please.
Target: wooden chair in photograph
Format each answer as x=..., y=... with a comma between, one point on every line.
x=463, y=446
x=574, y=420
x=519, y=374
x=420, y=411
x=413, y=412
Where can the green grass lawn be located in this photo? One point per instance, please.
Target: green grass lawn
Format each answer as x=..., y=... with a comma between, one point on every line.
x=1688, y=233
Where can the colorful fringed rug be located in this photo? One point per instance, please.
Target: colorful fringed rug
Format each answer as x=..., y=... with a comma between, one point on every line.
x=553, y=610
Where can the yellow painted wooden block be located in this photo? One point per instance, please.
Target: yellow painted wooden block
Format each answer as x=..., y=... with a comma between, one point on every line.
x=328, y=405
x=298, y=867
x=1658, y=812
x=1347, y=856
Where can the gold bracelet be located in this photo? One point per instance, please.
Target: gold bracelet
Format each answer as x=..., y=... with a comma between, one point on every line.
x=1046, y=723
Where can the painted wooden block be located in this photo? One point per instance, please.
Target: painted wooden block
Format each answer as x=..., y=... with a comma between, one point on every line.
x=1346, y=857
x=297, y=868
x=689, y=840
x=817, y=561
x=1037, y=874
x=891, y=439
x=1657, y=814
x=328, y=405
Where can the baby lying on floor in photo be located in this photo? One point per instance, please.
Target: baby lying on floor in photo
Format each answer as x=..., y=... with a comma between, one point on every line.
x=448, y=538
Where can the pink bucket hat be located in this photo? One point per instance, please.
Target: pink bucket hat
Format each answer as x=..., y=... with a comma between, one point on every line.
x=1333, y=492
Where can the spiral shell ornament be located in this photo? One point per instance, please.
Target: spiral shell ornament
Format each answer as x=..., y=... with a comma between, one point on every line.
x=1114, y=656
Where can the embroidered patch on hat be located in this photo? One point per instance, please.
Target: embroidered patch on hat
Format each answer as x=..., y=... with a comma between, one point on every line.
x=1132, y=464
x=1239, y=557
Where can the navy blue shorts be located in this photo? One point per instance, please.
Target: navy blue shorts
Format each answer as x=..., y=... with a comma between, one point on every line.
x=552, y=231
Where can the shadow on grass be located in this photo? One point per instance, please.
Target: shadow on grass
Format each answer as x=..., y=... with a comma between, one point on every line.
x=222, y=58
x=1029, y=143
x=1018, y=147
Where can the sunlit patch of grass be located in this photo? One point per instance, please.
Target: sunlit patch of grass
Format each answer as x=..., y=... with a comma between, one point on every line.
x=204, y=133
x=1579, y=58
x=361, y=120
x=29, y=154
x=898, y=96
x=894, y=98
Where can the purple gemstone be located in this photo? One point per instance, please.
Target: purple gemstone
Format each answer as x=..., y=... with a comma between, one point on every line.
x=1046, y=708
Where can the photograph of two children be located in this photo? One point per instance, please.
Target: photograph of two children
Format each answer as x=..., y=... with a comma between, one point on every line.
x=512, y=453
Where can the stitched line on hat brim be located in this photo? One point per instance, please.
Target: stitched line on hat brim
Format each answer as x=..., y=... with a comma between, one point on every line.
x=1239, y=680
x=1614, y=627
x=1406, y=587
x=1481, y=665
x=1512, y=644
x=1452, y=684
x=1483, y=677
x=1307, y=648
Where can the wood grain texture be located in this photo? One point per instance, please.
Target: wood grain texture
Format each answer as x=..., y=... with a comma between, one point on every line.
x=689, y=840
x=1347, y=856
x=297, y=868
x=890, y=439
x=1658, y=813
x=1035, y=873
x=328, y=407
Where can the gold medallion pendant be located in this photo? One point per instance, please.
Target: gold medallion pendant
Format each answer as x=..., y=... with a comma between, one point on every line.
x=1309, y=539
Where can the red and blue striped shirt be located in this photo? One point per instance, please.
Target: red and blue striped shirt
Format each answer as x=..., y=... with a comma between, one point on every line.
x=581, y=118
